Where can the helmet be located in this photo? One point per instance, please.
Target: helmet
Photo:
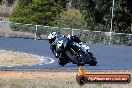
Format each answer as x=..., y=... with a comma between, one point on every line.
x=52, y=35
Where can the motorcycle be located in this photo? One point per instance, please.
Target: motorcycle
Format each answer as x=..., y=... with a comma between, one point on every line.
x=70, y=49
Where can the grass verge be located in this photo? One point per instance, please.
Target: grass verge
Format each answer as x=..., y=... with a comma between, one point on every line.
x=9, y=58
x=42, y=79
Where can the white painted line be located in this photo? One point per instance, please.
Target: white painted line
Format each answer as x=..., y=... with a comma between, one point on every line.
x=52, y=60
x=47, y=60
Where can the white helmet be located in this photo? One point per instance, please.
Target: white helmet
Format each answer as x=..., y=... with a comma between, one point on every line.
x=52, y=35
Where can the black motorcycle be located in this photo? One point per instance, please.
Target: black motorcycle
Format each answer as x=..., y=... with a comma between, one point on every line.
x=71, y=50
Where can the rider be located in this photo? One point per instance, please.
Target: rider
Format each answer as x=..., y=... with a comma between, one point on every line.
x=53, y=37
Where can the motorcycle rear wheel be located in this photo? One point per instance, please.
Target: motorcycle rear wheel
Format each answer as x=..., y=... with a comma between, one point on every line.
x=93, y=62
x=75, y=61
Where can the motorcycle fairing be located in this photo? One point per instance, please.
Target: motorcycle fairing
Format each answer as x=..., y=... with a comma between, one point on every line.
x=61, y=43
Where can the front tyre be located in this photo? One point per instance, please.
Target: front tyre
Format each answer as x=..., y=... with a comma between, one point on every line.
x=62, y=61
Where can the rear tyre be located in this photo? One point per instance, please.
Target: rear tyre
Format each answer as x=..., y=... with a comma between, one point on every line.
x=93, y=62
x=74, y=60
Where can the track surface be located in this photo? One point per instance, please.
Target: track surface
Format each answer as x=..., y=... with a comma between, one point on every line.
x=109, y=57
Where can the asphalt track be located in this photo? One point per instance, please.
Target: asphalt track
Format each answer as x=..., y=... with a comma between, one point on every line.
x=110, y=57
